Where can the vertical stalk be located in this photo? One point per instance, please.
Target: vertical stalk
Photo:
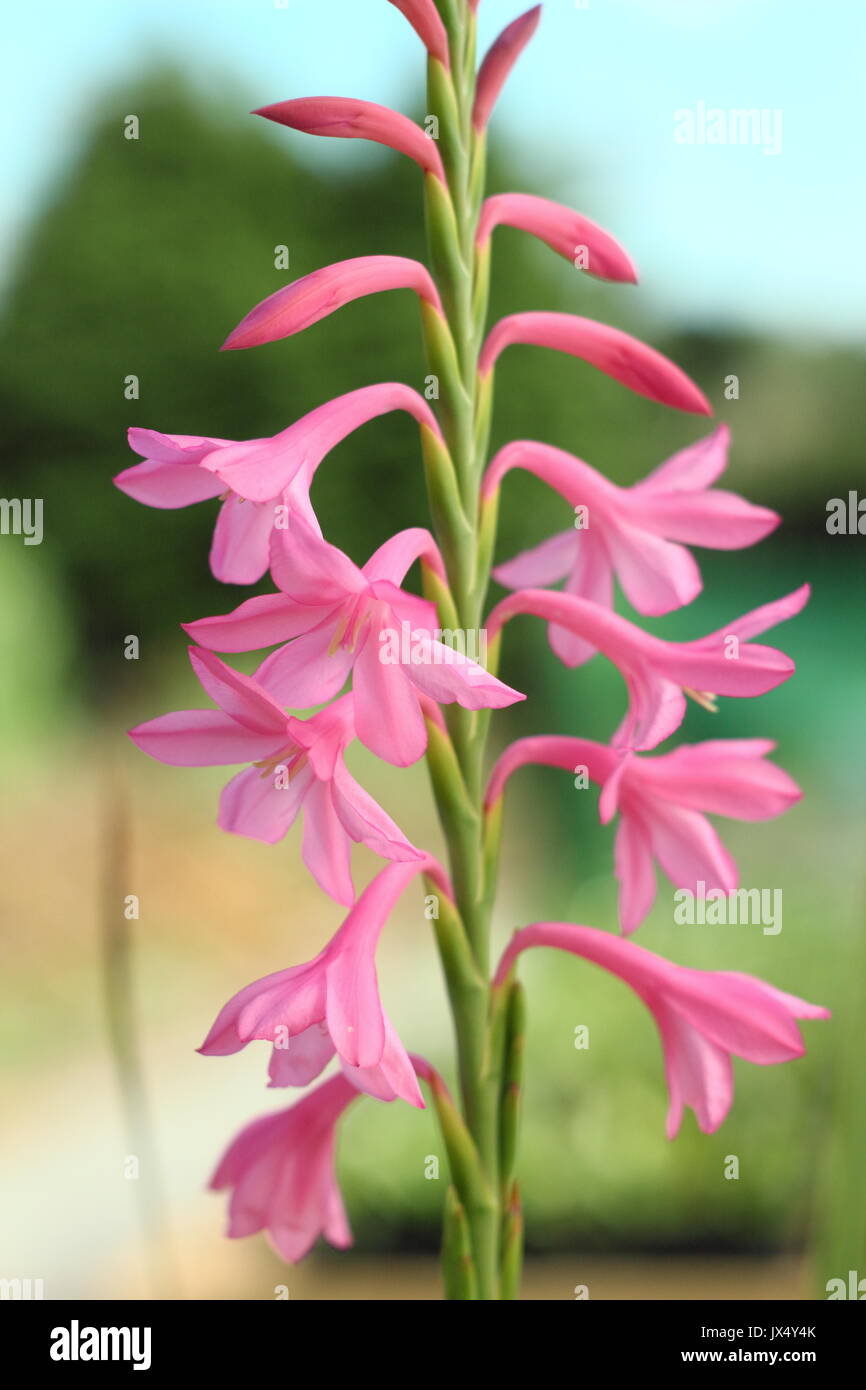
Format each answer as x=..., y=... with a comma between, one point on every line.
x=452, y=221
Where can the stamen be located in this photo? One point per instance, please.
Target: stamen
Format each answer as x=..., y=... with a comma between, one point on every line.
x=706, y=699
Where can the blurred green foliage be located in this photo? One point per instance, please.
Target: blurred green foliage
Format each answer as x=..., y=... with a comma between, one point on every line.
x=148, y=253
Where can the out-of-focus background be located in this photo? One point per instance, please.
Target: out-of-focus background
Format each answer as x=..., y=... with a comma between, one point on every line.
x=133, y=258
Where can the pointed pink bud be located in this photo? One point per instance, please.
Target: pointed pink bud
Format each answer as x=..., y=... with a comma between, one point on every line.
x=613, y=352
x=282, y=1174
x=498, y=63
x=568, y=233
x=427, y=23
x=306, y=301
x=348, y=119
x=704, y=1016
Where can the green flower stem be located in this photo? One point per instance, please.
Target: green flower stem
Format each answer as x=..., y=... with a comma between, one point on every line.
x=480, y=1212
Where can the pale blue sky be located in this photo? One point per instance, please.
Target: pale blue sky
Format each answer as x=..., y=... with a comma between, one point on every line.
x=724, y=231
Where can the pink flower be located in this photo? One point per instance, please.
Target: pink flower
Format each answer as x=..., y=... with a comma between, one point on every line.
x=704, y=1016
x=348, y=119
x=427, y=23
x=342, y=618
x=499, y=61
x=282, y=1175
x=627, y=360
x=271, y=475
x=568, y=233
x=330, y=1004
x=629, y=532
x=306, y=301
x=661, y=802
x=297, y=766
x=659, y=674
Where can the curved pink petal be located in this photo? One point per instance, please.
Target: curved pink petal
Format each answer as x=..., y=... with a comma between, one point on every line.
x=155, y=446
x=240, y=696
x=240, y=551
x=447, y=675
x=691, y=469
x=393, y=560
x=568, y=233
x=388, y=716
x=167, y=485
x=290, y=1000
x=307, y=671
x=726, y=777
x=263, y=804
x=303, y=1059
x=257, y=622
x=591, y=578
x=689, y=849
x=326, y=849
x=613, y=352
x=349, y=119
x=261, y=469
x=657, y=575
x=310, y=570
x=200, y=738
x=393, y=1078
x=499, y=61
x=365, y=822
x=427, y=23
x=718, y=520
x=542, y=565
x=297, y=306
x=752, y=624
x=634, y=872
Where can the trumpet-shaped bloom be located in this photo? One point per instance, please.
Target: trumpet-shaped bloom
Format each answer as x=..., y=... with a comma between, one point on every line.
x=348, y=119
x=272, y=476
x=662, y=803
x=568, y=233
x=330, y=1004
x=297, y=766
x=498, y=62
x=632, y=533
x=704, y=1017
x=341, y=618
x=282, y=1176
x=613, y=352
x=427, y=23
x=315, y=296
x=659, y=674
